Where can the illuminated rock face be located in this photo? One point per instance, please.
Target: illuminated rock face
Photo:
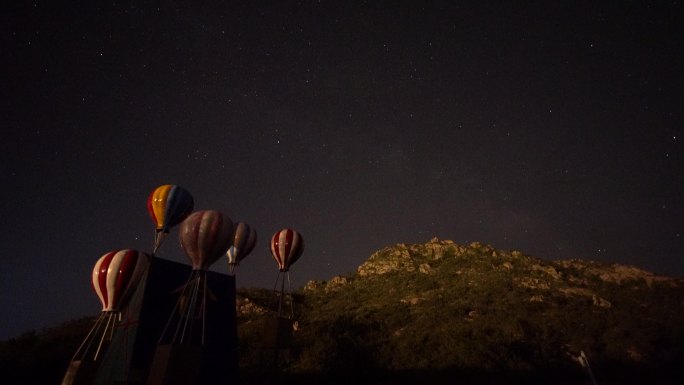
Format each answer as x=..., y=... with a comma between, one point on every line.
x=417, y=257
x=470, y=301
x=388, y=260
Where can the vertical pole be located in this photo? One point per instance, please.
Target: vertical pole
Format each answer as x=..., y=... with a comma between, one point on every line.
x=289, y=292
x=282, y=293
x=204, y=303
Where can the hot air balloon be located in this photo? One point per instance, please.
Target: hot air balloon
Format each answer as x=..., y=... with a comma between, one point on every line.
x=204, y=236
x=286, y=247
x=116, y=276
x=244, y=240
x=168, y=205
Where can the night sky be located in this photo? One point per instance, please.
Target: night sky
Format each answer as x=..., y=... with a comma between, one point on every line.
x=555, y=129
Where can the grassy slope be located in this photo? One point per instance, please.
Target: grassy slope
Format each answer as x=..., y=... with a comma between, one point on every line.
x=437, y=312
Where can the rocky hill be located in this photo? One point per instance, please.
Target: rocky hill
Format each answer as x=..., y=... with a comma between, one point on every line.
x=441, y=313
x=442, y=307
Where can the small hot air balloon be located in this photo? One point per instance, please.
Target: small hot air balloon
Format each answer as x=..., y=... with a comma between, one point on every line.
x=115, y=277
x=244, y=239
x=205, y=236
x=168, y=205
x=286, y=247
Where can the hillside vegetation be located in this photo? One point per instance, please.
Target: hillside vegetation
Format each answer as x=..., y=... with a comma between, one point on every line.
x=445, y=308
x=442, y=313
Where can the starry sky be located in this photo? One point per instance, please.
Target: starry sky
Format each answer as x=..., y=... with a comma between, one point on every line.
x=555, y=129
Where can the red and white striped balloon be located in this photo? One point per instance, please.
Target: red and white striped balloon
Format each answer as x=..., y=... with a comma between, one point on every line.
x=286, y=247
x=116, y=275
x=205, y=236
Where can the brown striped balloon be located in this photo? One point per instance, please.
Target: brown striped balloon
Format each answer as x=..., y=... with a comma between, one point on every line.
x=205, y=236
x=243, y=241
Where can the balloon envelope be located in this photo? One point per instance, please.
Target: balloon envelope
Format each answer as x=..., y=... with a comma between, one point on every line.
x=168, y=205
x=286, y=247
x=205, y=236
x=116, y=275
x=244, y=239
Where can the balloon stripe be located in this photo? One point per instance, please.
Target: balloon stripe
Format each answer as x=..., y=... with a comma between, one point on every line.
x=282, y=249
x=170, y=204
x=158, y=204
x=215, y=242
x=231, y=256
x=95, y=281
x=127, y=268
x=174, y=203
x=238, y=236
x=179, y=205
x=166, y=196
x=112, y=274
x=158, y=214
x=240, y=241
x=198, y=241
x=289, y=234
x=204, y=243
x=223, y=238
x=282, y=252
x=297, y=249
x=102, y=279
x=275, y=248
x=150, y=208
x=187, y=237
